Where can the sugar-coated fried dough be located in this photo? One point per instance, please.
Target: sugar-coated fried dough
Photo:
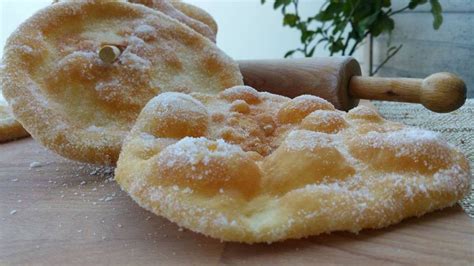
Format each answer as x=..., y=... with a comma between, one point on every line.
x=81, y=107
x=255, y=167
x=192, y=16
x=196, y=13
x=10, y=129
x=174, y=11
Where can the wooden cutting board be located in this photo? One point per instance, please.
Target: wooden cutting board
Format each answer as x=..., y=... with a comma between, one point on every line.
x=54, y=211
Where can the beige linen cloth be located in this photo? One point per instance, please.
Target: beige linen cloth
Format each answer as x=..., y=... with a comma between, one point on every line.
x=457, y=128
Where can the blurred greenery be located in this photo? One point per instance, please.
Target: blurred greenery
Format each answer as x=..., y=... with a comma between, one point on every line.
x=342, y=25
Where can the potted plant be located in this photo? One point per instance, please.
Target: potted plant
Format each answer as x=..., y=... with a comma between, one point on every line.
x=343, y=25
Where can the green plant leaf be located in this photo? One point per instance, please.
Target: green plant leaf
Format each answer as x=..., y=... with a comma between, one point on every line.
x=289, y=53
x=346, y=23
x=290, y=19
x=336, y=46
x=329, y=12
x=279, y=3
x=414, y=3
x=311, y=52
x=436, y=10
x=307, y=35
x=383, y=24
x=369, y=20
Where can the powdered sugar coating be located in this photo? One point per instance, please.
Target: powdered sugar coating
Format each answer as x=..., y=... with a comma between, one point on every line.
x=10, y=129
x=307, y=140
x=59, y=88
x=177, y=11
x=197, y=150
x=254, y=185
x=197, y=14
x=184, y=13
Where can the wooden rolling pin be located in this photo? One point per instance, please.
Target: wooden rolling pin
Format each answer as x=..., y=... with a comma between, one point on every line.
x=339, y=80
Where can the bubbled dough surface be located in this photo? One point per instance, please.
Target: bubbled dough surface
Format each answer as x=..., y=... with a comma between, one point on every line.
x=81, y=107
x=256, y=167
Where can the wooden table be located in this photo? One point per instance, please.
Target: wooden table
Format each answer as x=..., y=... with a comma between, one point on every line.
x=54, y=211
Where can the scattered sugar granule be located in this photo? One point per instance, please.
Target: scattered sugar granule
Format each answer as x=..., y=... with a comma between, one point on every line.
x=13, y=212
x=35, y=165
x=15, y=180
x=180, y=229
x=82, y=183
x=108, y=198
x=119, y=225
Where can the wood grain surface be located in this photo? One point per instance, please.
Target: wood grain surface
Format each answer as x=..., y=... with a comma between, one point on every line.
x=440, y=92
x=54, y=211
x=326, y=77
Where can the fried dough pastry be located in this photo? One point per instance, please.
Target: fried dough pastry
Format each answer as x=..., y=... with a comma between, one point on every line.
x=10, y=129
x=255, y=167
x=192, y=16
x=81, y=107
x=196, y=13
x=184, y=13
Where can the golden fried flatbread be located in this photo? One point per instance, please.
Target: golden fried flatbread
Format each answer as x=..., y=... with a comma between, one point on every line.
x=172, y=10
x=255, y=167
x=81, y=107
x=197, y=14
x=192, y=16
x=10, y=129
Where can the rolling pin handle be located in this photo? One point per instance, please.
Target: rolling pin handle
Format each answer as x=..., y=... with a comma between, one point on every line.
x=441, y=92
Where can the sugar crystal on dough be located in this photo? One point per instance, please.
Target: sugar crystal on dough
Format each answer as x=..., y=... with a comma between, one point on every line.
x=201, y=150
x=305, y=139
